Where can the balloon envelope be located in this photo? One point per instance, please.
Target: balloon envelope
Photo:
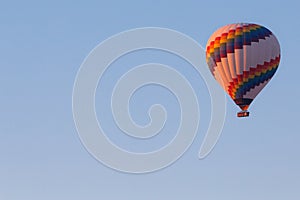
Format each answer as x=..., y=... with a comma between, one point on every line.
x=243, y=58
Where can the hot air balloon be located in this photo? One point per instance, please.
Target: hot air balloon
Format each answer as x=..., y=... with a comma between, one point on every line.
x=243, y=58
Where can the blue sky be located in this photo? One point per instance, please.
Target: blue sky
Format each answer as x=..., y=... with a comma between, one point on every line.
x=42, y=46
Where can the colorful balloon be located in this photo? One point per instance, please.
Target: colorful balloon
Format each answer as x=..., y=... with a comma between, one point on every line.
x=243, y=58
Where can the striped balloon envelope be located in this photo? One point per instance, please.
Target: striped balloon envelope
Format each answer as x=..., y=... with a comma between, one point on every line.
x=243, y=58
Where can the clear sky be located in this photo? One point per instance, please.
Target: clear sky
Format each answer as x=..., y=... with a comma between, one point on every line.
x=42, y=45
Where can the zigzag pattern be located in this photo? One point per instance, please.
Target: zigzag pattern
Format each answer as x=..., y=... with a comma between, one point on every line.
x=235, y=39
x=249, y=80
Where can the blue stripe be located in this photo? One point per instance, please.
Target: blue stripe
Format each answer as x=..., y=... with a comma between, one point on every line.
x=256, y=81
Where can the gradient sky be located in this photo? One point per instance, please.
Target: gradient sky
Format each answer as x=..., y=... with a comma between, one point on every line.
x=42, y=46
